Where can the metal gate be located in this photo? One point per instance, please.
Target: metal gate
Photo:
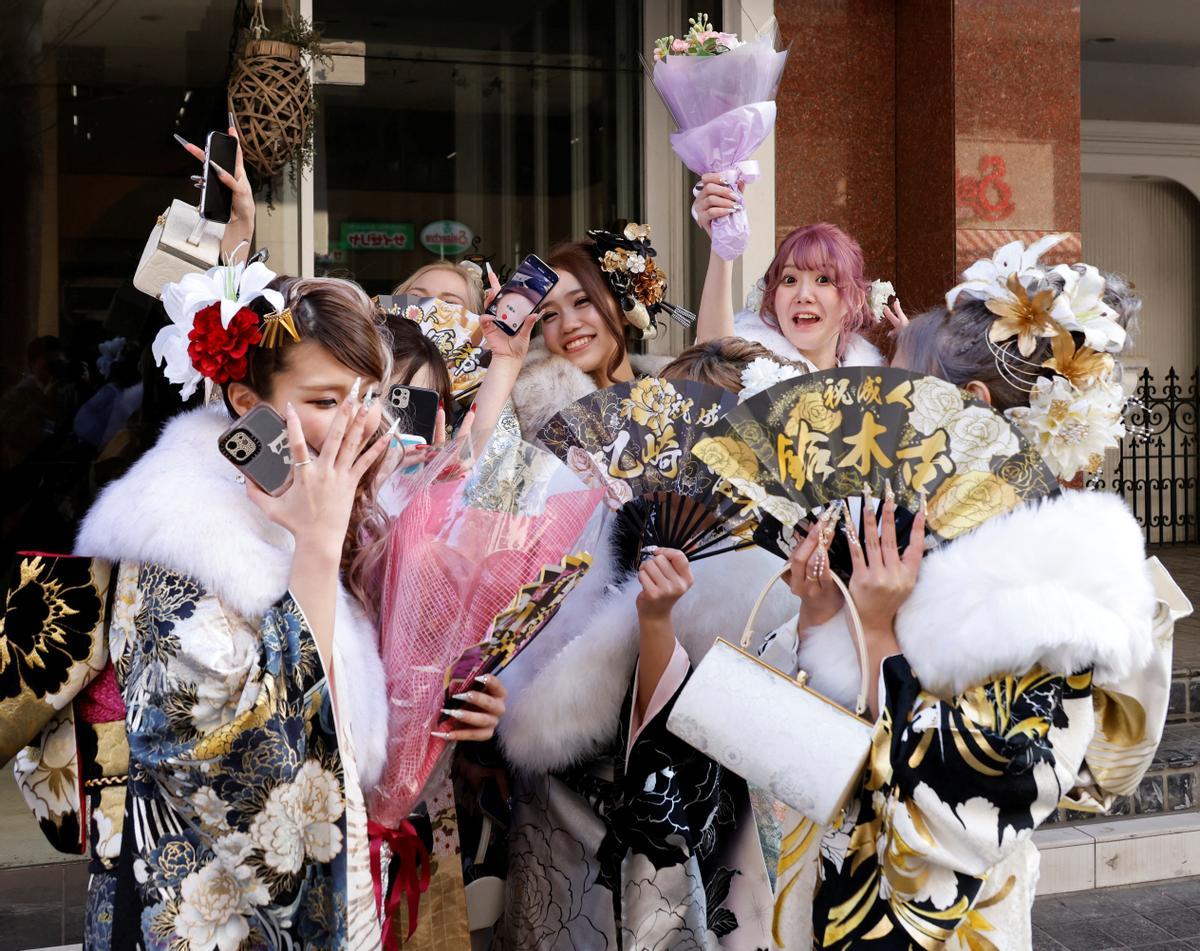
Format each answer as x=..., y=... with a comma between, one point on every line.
x=1158, y=471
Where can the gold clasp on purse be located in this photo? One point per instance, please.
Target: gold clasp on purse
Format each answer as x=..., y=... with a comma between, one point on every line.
x=802, y=678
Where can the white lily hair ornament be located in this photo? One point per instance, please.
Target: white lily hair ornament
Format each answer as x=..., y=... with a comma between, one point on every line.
x=1076, y=408
x=211, y=325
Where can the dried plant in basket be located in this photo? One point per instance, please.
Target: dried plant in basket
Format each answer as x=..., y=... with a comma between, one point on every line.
x=270, y=95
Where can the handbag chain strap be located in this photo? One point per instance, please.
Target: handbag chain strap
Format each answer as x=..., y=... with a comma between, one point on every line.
x=856, y=627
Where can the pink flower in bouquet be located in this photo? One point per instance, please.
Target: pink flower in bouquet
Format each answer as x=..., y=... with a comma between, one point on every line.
x=707, y=35
x=679, y=46
x=728, y=40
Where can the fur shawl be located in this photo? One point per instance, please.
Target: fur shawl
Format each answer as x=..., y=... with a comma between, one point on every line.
x=548, y=382
x=1062, y=584
x=566, y=689
x=180, y=507
x=749, y=325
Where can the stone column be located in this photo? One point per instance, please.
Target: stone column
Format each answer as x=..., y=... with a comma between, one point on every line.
x=934, y=131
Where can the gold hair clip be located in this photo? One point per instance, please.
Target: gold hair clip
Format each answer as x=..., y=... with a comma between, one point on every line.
x=636, y=232
x=272, y=322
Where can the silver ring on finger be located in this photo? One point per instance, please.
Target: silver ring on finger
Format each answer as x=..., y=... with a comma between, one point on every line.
x=302, y=462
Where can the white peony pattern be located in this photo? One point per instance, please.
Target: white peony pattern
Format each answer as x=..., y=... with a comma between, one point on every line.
x=300, y=819
x=217, y=899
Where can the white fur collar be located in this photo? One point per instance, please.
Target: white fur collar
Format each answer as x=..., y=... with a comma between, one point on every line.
x=749, y=325
x=1063, y=584
x=180, y=507
x=549, y=382
x=565, y=698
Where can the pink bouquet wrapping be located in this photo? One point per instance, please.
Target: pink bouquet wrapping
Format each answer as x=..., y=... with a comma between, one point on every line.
x=460, y=549
x=721, y=94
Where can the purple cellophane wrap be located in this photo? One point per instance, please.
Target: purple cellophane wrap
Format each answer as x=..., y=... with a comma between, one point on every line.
x=724, y=107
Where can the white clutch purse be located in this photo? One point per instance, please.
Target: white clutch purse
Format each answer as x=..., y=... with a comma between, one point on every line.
x=775, y=731
x=181, y=243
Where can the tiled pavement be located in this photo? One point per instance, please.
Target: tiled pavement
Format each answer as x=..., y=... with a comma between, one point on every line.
x=1163, y=916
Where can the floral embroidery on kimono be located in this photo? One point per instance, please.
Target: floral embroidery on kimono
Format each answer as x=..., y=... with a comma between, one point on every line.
x=235, y=825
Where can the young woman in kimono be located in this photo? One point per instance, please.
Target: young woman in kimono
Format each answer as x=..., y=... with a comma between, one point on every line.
x=244, y=658
x=570, y=884
x=812, y=305
x=1024, y=665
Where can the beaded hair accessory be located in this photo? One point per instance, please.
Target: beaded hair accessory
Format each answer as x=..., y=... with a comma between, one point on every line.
x=275, y=324
x=1077, y=404
x=640, y=286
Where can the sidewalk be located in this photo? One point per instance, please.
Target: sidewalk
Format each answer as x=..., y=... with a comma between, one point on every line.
x=1163, y=915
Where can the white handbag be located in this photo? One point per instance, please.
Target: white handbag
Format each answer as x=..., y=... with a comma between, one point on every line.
x=181, y=243
x=775, y=731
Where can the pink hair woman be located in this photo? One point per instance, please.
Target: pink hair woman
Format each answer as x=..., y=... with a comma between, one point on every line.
x=814, y=305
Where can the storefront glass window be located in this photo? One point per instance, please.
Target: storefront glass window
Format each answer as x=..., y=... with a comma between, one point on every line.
x=498, y=131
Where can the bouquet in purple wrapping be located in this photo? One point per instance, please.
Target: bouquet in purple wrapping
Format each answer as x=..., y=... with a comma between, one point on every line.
x=721, y=93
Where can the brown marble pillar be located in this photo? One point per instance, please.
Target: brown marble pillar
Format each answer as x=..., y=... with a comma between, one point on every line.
x=934, y=131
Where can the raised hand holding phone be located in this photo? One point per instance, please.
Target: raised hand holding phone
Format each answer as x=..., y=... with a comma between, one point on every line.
x=521, y=294
x=240, y=226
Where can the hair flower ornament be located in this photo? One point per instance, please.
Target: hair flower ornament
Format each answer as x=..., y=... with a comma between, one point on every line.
x=627, y=261
x=212, y=325
x=1076, y=408
x=762, y=373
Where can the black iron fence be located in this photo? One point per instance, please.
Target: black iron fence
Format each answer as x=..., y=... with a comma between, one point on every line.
x=1158, y=471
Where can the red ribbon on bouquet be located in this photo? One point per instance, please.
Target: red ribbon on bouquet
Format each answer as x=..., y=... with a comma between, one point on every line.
x=412, y=877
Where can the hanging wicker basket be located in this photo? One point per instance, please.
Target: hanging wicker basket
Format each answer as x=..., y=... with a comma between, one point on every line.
x=271, y=100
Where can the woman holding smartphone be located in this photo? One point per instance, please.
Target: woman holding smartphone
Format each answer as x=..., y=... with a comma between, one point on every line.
x=243, y=644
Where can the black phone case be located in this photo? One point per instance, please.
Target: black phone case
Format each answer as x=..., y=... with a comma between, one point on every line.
x=216, y=199
x=258, y=445
x=532, y=272
x=416, y=407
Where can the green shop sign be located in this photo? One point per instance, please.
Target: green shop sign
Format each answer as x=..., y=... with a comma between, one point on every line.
x=377, y=235
x=446, y=237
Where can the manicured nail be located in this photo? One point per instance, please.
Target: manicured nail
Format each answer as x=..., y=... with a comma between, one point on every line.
x=921, y=504
x=391, y=430
x=868, y=496
x=465, y=695
x=487, y=266
x=484, y=679
x=355, y=388
x=457, y=714
x=181, y=140
x=232, y=121
x=370, y=397
x=472, y=407
x=441, y=736
x=217, y=167
x=197, y=178
x=441, y=405
x=889, y=494
x=290, y=408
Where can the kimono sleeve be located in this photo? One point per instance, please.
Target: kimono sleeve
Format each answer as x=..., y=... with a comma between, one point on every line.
x=952, y=788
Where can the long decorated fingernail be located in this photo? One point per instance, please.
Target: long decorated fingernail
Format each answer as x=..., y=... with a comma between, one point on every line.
x=370, y=397
x=217, y=167
x=849, y=527
x=457, y=714
x=232, y=121
x=441, y=736
x=472, y=407
x=484, y=679
x=355, y=388
x=181, y=140
x=922, y=503
x=889, y=494
x=465, y=696
x=868, y=496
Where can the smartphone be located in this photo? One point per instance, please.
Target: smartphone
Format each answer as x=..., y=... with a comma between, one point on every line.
x=257, y=444
x=416, y=407
x=216, y=199
x=521, y=293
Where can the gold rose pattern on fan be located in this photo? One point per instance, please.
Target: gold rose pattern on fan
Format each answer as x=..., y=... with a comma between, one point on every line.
x=642, y=432
x=824, y=436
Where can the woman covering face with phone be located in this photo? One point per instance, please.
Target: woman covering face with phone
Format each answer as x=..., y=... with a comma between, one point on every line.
x=242, y=641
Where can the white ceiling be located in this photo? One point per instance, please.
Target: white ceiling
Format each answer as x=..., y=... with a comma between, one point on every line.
x=1159, y=32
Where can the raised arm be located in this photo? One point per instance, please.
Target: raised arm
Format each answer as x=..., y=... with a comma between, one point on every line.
x=715, y=315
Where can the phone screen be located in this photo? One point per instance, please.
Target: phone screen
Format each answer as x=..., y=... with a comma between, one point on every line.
x=521, y=293
x=216, y=200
